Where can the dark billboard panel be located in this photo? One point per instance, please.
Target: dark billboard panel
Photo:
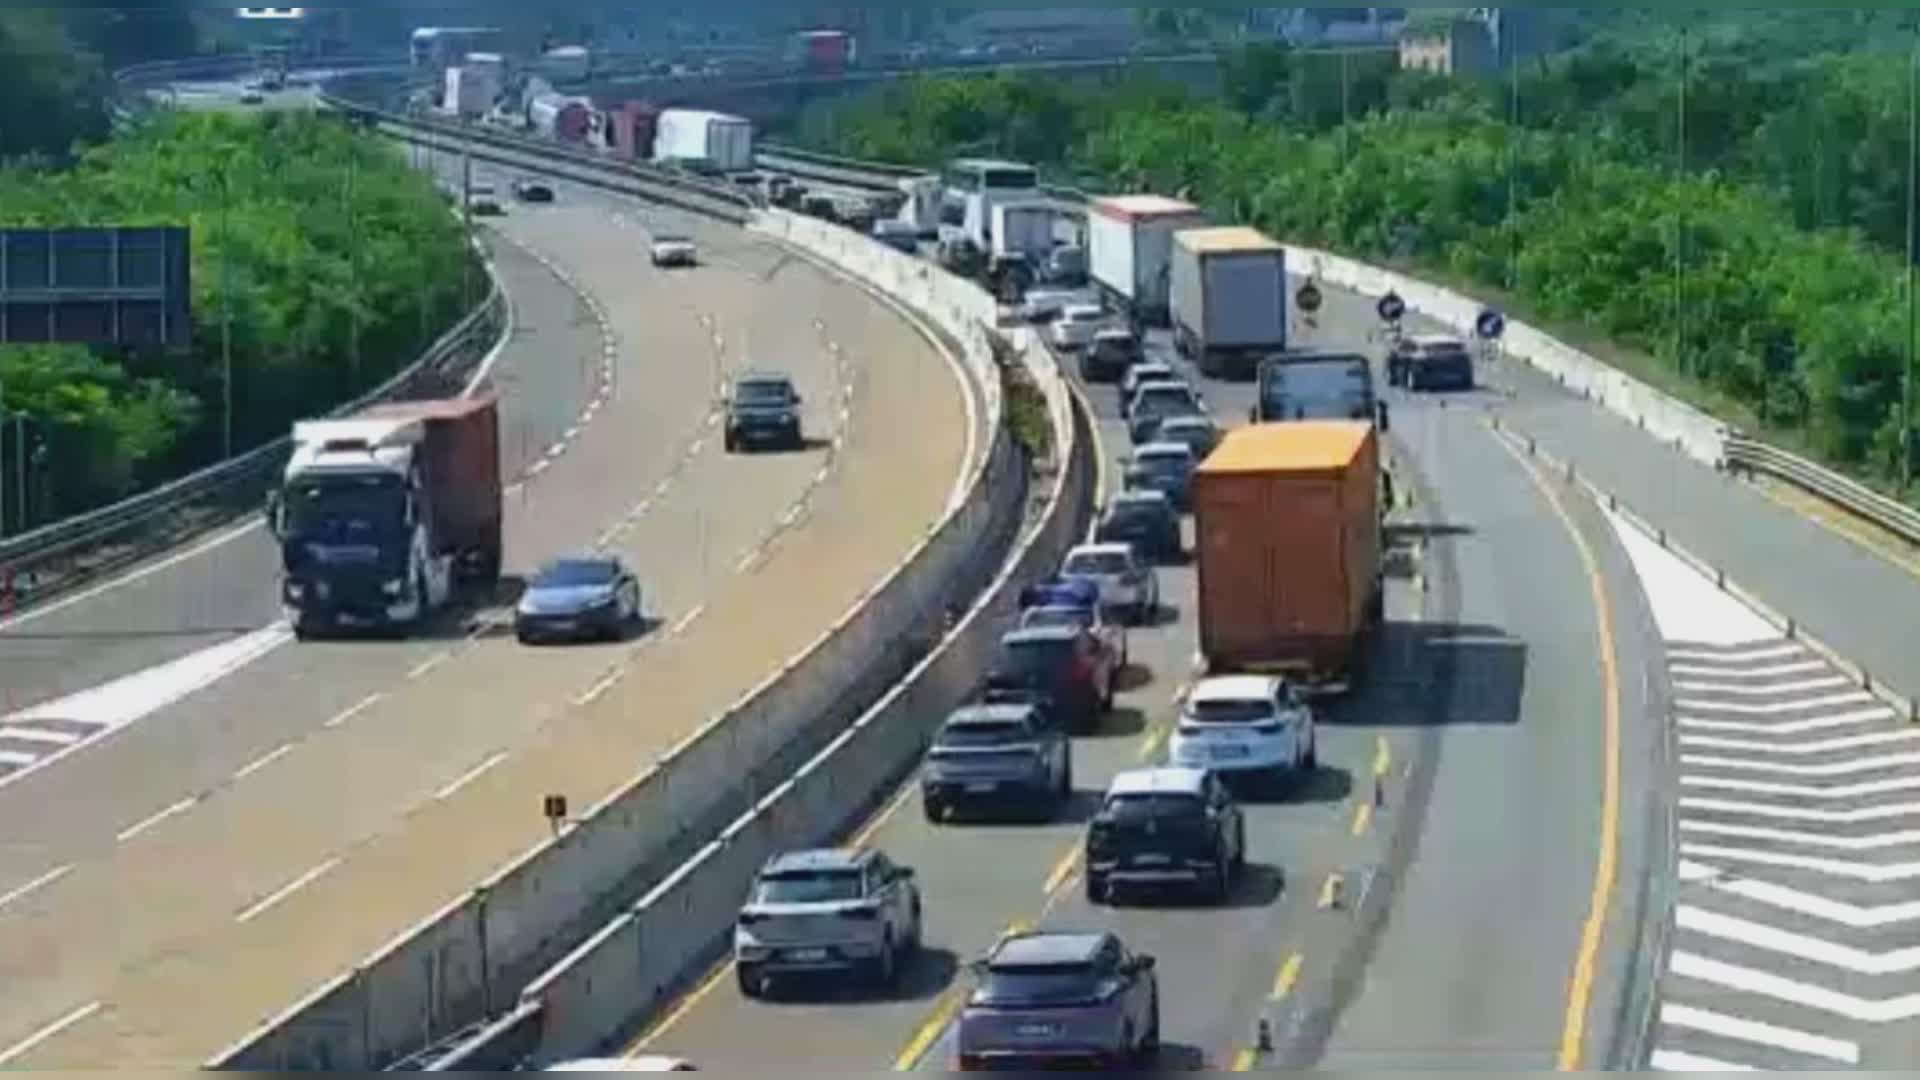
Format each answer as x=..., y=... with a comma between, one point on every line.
x=96, y=286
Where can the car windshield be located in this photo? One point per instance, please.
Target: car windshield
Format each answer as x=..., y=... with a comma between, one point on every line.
x=1163, y=463
x=1096, y=563
x=1036, y=984
x=1147, y=373
x=808, y=887
x=1337, y=389
x=1135, y=513
x=1247, y=711
x=983, y=733
x=1163, y=401
x=1027, y=662
x=1145, y=806
x=762, y=393
x=1079, y=618
x=670, y=239
x=575, y=574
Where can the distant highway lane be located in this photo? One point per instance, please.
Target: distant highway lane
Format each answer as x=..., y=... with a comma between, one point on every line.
x=1437, y=927
x=251, y=840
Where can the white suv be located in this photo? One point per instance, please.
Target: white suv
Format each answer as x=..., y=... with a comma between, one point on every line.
x=1127, y=583
x=835, y=911
x=1245, y=724
x=1077, y=324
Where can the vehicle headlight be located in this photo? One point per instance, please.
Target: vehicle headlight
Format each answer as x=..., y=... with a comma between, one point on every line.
x=296, y=590
x=394, y=587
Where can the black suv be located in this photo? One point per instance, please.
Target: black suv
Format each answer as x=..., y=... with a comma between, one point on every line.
x=763, y=409
x=1011, y=756
x=1146, y=519
x=1065, y=665
x=1167, y=826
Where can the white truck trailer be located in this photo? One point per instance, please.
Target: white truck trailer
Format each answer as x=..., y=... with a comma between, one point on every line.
x=697, y=134
x=1129, y=248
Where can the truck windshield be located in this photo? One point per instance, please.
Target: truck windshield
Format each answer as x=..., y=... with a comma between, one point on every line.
x=1340, y=388
x=345, y=509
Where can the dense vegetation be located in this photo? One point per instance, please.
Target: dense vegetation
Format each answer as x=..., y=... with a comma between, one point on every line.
x=1785, y=214
x=319, y=231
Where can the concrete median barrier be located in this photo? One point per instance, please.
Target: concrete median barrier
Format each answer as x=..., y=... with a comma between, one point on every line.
x=640, y=959
x=1667, y=418
x=458, y=970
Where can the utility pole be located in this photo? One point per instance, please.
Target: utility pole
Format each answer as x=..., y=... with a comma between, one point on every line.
x=1346, y=111
x=466, y=222
x=20, y=471
x=226, y=319
x=353, y=278
x=3, y=460
x=1513, y=167
x=1680, y=220
x=1913, y=253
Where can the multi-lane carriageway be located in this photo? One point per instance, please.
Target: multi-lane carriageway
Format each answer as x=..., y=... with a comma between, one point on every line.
x=268, y=815
x=1474, y=878
x=1469, y=916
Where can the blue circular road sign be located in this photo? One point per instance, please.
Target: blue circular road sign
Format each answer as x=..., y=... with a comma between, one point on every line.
x=1490, y=325
x=1308, y=298
x=1391, y=307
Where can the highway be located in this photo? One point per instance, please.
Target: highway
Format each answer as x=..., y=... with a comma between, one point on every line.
x=1488, y=719
x=324, y=797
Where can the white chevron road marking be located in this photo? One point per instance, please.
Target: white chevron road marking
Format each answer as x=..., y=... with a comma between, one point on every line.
x=1774, y=708
x=1771, y=671
x=1875, y=842
x=1852, y=916
x=1874, y=873
x=1788, y=727
x=1765, y=652
x=1804, y=791
x=1787, y=943
x=1752, y=1031
x=1827, y=768
x=1688, y=965
x=1804, y=749
x=1680, y=1061
x=1801, y=687
x=1800, y=813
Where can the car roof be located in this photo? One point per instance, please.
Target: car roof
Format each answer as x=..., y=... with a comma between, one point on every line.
x=1192, y=420
x=1085, y=309
x=1162, y=449
x=1143, y=496
x=1102, y=549
x=996, y=713
x=818, y=859
x=1049, y=948
x=1163, y=781
x=648, y=1063
x=1235, y=688
x=1027, y=634
x=1150, y=385
x=1110, y=332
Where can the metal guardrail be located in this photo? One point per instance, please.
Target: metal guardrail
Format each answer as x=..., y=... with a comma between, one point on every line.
x=1751, y=456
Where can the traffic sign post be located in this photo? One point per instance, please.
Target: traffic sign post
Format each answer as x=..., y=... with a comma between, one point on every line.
x=1391, y=308
x=1308, y=298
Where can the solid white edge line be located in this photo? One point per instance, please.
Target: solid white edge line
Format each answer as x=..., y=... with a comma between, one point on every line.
x=469, y=776
x=136, y=829
x=287, y=890
x=36, y=884
x=48, y=1032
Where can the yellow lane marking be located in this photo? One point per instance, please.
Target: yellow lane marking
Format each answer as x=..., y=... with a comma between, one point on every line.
x=1362, y=817
x=1150, y=745
x=943, y=1012
x=893, y=807
x=1573, y=1029
x=1062, y=870
x=1382, y=757
x=1243, y=1061
x=1329, y=891
x=1289, y=974
x=687, y=1005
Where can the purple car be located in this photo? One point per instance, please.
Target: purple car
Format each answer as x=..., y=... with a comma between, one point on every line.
x=1059, y=999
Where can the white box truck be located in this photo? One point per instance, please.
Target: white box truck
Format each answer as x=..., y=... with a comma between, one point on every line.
x=1023, y=228
x=1228, y=292
x=698, y=135
x=1129, y=245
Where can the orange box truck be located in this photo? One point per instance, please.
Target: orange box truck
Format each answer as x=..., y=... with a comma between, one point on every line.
x=1289, y=548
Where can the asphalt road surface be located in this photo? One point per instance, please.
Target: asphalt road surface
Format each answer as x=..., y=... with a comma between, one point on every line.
x=1439, y=927
x=255, y=838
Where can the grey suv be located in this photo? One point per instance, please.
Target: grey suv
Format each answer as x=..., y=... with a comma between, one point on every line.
x=827, y=912
x=1060, y=999
x=1011, y=755
x=763, y=408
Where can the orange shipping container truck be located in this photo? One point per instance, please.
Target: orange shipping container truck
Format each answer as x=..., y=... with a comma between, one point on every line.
x=1289, y=548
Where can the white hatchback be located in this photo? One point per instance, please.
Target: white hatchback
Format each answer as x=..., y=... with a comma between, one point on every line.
x=1241, y=724
x=1077, y=324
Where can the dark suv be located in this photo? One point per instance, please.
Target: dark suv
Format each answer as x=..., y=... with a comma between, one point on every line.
x=1012, y=756
x=1167, y=826
x=1060, y=998
x=763, y=409
x=1067, y=665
